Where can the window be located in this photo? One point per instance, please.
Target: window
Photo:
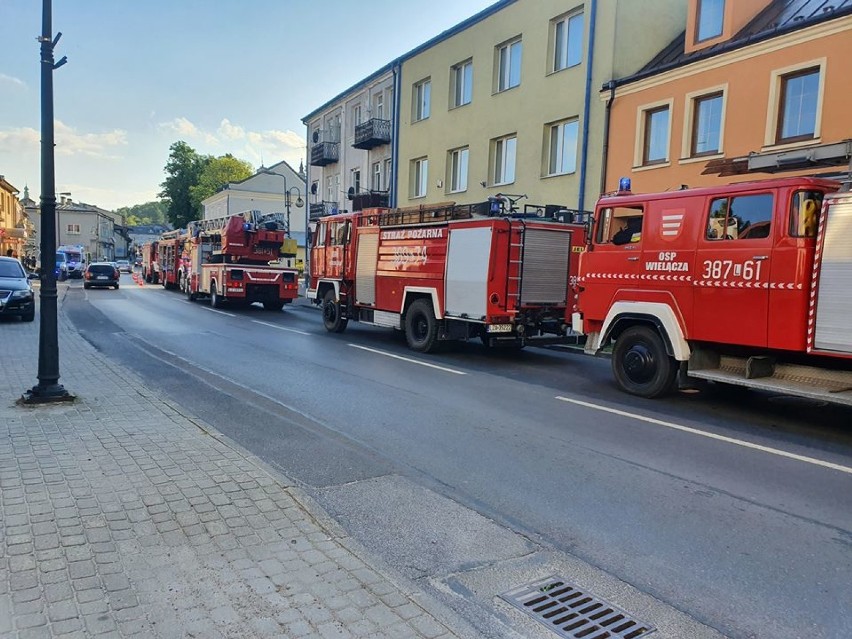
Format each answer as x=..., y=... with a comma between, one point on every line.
x=504, y=160
x=388, y=168
x=419, y=177
x=747, y=217
x=711, y=14
x=567, y=41
x=458, y=170
x=508, y=65
x=655, y=139
x=356, y=180
x=461, y=77
x=339, y=233
x=563, y=148
x=356, y=115
x=377, y=176
x=620, y=225
x=422, y=100
x=379, y=106
x=321, y=234
x=797, y=110
x=72, y=229
x=706, y=124
x=804, y=213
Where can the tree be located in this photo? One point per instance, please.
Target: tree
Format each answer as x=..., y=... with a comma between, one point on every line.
x=217, y=173
x=147, y=213
x=183, y=171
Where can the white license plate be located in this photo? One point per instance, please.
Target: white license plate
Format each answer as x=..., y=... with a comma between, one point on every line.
x=102, y=277
x=499, y=328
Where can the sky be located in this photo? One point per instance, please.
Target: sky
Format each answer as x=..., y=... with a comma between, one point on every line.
x=225, y=76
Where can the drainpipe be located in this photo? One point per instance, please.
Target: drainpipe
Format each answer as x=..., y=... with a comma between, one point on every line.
x=590, y=55
x=605, y=152
x=397, y=81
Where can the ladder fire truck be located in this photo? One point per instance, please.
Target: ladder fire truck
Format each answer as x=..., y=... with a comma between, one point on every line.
x=150, y=264
x=446, y=272
x=747, y=284
x=170, y=255
x=228, y=260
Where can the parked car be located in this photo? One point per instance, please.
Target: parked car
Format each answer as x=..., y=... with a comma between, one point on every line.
x=101, y=274
x=16, y=293
x=124, y=266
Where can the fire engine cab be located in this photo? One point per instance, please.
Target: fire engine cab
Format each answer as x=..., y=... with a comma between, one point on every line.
x=170, y=257
x=747, y=284
x=445, y=272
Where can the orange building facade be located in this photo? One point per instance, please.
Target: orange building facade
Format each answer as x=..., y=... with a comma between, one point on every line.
x=752, y=88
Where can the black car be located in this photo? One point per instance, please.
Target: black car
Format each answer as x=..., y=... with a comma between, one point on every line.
x=101, y=274
x=16, y=294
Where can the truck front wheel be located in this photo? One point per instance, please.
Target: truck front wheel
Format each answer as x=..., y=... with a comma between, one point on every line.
x=421, y=327
x=332, y=316
x=640, y=363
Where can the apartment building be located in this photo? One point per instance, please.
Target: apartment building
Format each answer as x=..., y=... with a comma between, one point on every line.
x=350, y=142
x=13, y=222
x=101, y=233
x=748, y=88
x=507, y=102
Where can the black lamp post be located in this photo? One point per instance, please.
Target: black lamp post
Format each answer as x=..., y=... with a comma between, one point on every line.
x=48, y=388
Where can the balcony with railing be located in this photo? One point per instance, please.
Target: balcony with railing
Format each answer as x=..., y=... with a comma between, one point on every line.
x=321, y=209
x=325, y=146
x=372, y=133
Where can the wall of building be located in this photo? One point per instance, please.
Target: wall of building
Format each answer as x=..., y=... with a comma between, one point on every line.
x=626, y=37
x=750, y=106
x=333, y=180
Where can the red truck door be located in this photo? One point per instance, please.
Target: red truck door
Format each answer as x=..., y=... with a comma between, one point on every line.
x=732, y=270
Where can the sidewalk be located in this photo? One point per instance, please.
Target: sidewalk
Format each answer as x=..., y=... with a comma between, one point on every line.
x=120, y=515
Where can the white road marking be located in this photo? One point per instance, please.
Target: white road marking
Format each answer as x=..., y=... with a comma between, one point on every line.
x=280, y=328
x=410, y=360
x=213, y=310
x=722, y=438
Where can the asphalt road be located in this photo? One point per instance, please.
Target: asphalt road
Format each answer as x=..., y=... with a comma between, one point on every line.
x=732, y=507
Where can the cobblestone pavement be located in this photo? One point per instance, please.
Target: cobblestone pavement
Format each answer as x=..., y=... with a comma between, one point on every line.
x=121, y=516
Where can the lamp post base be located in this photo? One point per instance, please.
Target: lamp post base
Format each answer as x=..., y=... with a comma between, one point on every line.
x=47, y=395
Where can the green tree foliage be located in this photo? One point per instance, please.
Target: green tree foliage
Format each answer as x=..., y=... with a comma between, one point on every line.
x=218, y=172
x=183, y=171
x=147, y=213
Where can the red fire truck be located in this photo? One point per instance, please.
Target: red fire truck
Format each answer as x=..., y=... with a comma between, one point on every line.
x=170, y=255
x=747, y=284
x=231, y=259
x=445, y=273
x=150, y=264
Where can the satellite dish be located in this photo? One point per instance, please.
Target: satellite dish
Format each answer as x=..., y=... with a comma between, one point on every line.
x=350, y=194
x=315, y=136
x=314, y=188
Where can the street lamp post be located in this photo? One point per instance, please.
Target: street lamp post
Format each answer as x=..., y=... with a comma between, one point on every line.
x=48, y=388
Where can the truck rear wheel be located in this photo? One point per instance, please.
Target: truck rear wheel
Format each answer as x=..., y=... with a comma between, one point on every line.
x=640, y=363
x=216, y=300
x=332, y=317
x=421, y=327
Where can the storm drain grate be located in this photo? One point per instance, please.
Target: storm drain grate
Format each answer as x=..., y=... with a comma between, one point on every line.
x=573, y=613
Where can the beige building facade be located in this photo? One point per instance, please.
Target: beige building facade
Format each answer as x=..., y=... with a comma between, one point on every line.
x=508, y=102
x=13, y=222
